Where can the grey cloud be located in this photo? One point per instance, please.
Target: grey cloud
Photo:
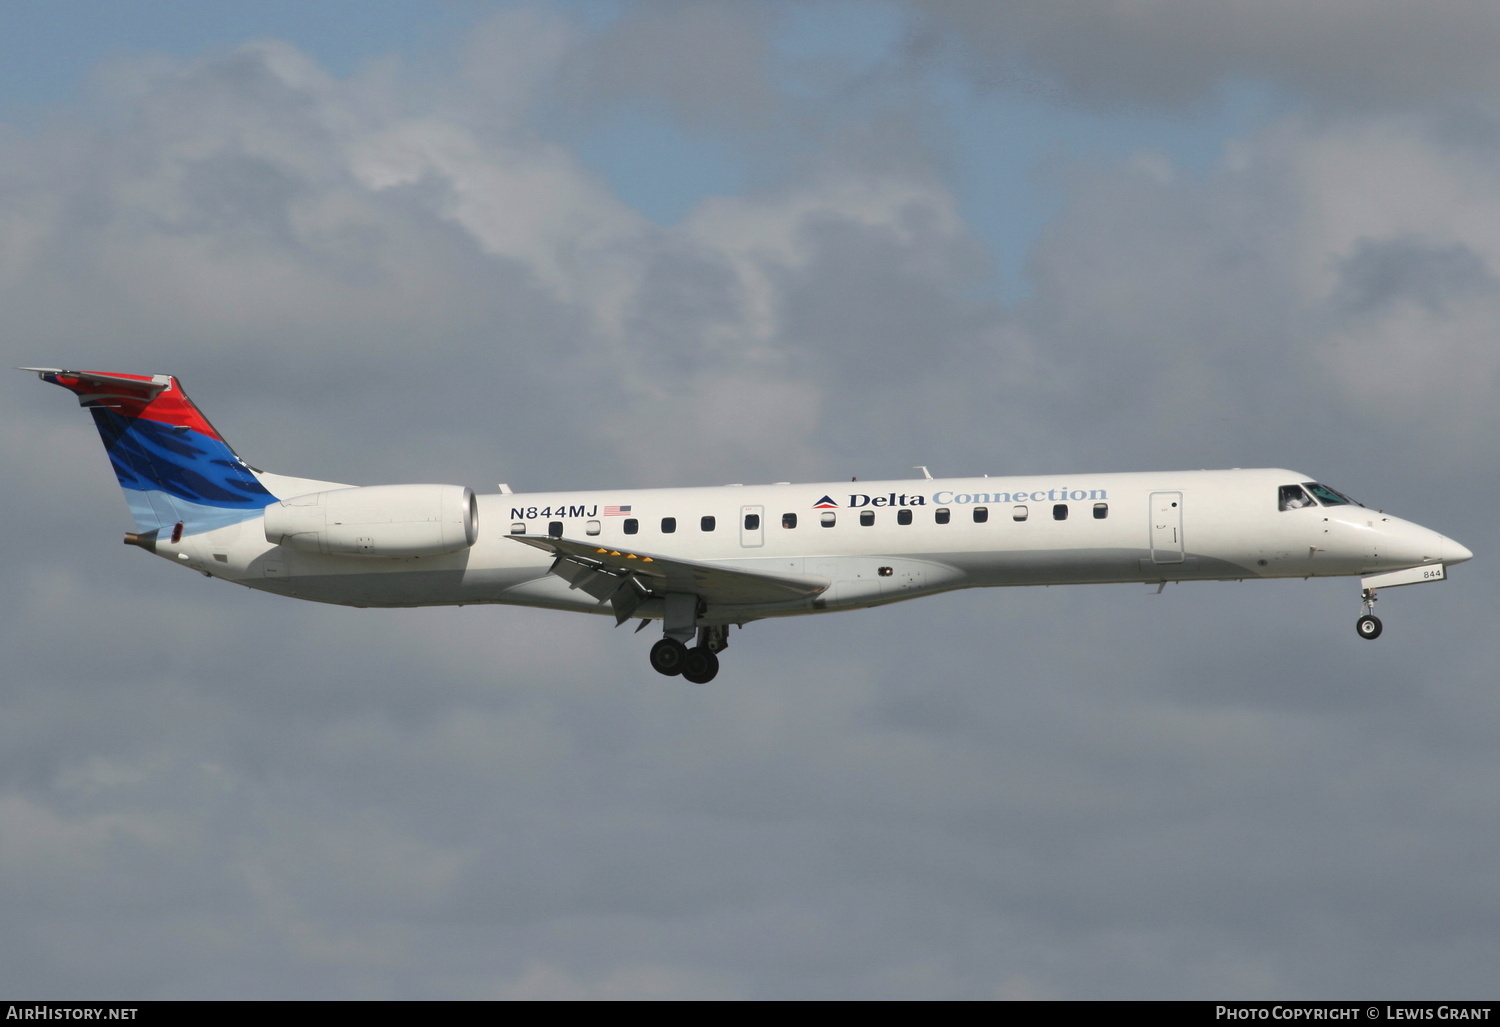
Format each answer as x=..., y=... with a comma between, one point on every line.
x=1170, y=312
x=232, y=196
x=1382, y=272
x=1351, y=56
x=705, y=62
x=685, y=296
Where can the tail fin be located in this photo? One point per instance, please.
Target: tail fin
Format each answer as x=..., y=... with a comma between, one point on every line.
x=174, y=467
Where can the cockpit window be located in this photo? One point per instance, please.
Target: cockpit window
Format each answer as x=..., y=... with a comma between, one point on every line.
x=1327, y=496
x=1293, y=498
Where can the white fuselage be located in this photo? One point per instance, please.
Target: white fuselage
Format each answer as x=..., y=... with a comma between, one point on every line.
x=702, y=559
x=873, y=542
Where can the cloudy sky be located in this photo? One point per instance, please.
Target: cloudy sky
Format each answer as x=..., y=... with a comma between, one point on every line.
x=611, y=244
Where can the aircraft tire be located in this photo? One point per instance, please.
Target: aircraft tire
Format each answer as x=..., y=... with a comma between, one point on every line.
x=700, y=665
x=1368, y=626
x=668, y=657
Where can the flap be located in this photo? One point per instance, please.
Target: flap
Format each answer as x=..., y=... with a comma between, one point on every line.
x=601, y=571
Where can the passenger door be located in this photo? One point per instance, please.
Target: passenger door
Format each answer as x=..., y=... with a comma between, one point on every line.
x=1166, y=527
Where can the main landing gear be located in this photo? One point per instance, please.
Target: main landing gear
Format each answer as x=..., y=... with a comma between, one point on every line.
x=1368, y=625
x=671, y=657
x=699, y=664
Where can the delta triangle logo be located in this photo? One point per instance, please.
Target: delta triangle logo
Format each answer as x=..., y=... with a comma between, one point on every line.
x=826, y=503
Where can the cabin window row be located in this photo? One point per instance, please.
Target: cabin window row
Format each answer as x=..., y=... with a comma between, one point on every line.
x=826, y=519
x=631, y=526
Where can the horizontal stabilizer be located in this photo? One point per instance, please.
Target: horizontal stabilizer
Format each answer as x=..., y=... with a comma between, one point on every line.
x=96, y=389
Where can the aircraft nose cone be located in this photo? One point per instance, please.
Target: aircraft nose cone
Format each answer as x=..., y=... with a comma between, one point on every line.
x=1454, y=552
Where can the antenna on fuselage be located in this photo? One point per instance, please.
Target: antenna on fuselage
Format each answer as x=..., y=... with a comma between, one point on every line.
x=925, y=472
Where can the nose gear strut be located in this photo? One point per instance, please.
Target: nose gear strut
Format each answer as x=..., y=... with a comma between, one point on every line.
x=1368, y=625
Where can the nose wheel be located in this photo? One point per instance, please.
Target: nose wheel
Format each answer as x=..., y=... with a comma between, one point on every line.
x=1368, y=625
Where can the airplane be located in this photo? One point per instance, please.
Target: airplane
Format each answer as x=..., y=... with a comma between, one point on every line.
x=699, y=560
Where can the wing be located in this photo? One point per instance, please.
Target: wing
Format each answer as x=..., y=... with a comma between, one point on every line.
x=625, y=579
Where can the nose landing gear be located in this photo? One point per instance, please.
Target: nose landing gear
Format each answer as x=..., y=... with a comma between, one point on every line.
x=1368, y=625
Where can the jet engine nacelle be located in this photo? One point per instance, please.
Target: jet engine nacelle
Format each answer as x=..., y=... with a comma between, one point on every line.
x=381, y=520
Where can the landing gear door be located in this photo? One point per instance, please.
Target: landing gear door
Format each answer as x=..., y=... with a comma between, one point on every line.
x=1166, y=527
x=752, y=526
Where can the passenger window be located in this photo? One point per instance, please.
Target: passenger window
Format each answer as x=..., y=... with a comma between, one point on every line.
x=707, y=524
x=517, y=528
x=788, y=520
x=941, y=514
x=1060, y=512
x=554, y=528
x=668, y=525
x=1018, y=513
x=752, y=522
x=866, y=518
x=981, y=514
x=1292, y=497
x=632, y=525
x=903, y=516
x=1101, y=511
x=828, y=518
x=592, y=528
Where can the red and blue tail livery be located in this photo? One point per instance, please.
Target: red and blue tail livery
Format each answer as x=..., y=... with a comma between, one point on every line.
x=702, y=560
x=173, y=465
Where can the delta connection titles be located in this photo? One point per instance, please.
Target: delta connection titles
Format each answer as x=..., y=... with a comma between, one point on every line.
x=1422, y=1012
x=947, y=497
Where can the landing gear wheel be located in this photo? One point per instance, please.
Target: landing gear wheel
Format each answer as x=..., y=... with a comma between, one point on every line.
x=1368, y=626
x=700, y=665
x=668, y=657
